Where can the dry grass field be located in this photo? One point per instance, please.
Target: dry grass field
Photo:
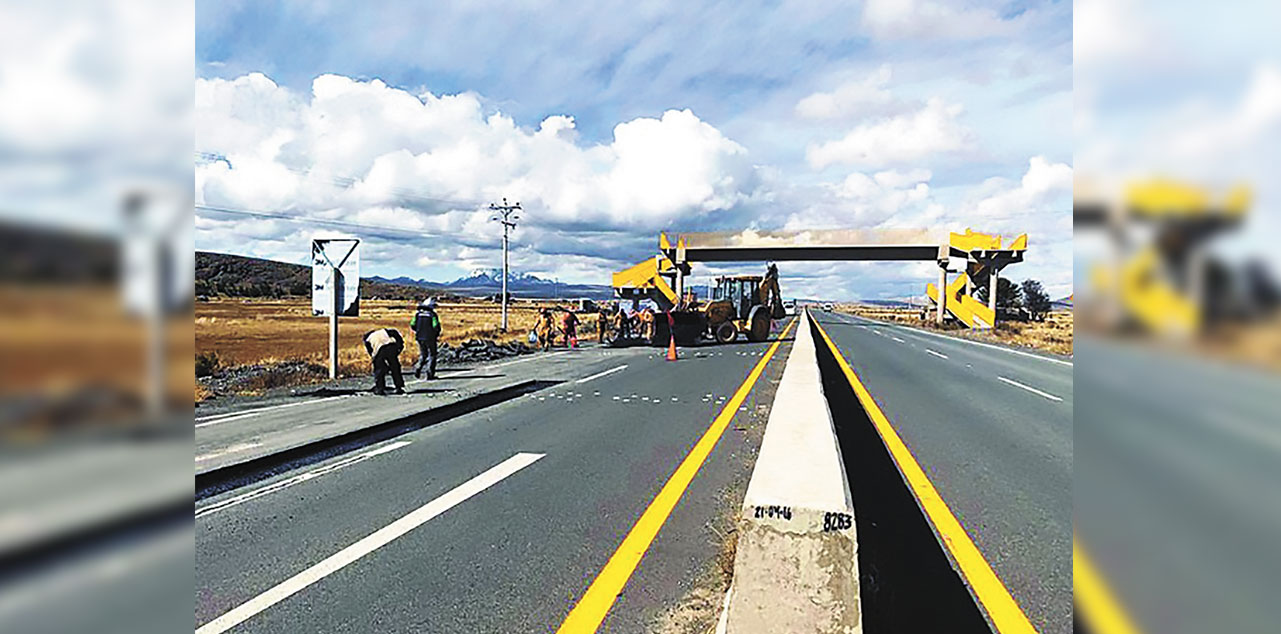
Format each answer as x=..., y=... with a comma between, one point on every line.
x=1052, y=335
x=253, y=331
x=60, y=344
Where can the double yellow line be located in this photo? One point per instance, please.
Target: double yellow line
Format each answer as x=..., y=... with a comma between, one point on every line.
x=591, y=609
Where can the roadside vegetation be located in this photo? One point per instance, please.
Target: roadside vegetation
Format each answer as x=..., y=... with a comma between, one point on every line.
x=1054, y=334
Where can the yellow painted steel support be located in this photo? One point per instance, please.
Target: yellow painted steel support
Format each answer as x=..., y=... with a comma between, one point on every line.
x=647, y=275
x=965, y=308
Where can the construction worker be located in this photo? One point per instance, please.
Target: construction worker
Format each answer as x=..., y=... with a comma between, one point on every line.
x=545, y=329
x=570, y=324
x=602, y=323
x=624, y=322
x=384, y=346
x=426, y=327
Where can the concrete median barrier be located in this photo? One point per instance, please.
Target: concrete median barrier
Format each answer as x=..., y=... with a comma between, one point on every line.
x=796, y=566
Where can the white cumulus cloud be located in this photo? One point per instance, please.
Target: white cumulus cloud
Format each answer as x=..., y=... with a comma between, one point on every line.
x=353, y=145
x=903, y=138
x=1045, y=188
x=854, y=98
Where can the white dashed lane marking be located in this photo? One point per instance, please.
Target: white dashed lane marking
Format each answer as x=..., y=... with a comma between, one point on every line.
x=1030, y=389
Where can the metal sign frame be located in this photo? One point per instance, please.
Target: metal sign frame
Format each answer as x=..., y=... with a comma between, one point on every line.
x=341, y=280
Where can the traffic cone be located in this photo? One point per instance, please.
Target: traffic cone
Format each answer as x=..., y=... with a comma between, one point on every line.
x=671, y=337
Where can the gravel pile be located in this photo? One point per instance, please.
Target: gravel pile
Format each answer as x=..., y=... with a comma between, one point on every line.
x=258, y=377
x=474, y=350
x=252, y=379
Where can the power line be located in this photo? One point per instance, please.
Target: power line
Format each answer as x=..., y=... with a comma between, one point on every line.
x=349, y=181
x=313, y=220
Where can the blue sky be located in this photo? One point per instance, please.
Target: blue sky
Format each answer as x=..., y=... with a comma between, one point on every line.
x=614, y=122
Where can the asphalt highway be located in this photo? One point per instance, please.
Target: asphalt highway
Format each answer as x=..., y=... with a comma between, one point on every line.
x=1177, y=500
x=245, y=429
x=494, y=521
x=992, y=428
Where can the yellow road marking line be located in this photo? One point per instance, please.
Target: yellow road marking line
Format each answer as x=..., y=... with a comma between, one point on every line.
x=1002, y=609
x=1100, y=610
x=589, y=613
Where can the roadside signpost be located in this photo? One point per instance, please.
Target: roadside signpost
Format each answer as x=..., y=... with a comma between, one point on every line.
x=157, y=273
x=335, y=286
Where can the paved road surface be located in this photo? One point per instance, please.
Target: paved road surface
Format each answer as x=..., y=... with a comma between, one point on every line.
x=245, y=430
x=576, y=464
x=1178, y=487
x=992, y=428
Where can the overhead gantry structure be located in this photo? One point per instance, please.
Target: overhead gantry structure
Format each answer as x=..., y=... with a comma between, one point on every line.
x=1159, y=232
x=662, y=278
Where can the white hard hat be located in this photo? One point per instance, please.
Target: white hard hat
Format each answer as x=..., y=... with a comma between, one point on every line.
x=430, y=302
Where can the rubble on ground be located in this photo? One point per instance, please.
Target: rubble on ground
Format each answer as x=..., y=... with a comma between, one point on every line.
x=256, y=378
x=241, y=379
x=474, y=350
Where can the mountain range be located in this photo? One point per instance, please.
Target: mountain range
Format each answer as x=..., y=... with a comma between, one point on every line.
x=483, y=282
x=240, y=276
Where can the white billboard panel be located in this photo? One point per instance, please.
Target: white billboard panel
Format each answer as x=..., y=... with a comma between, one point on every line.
x=332, y=257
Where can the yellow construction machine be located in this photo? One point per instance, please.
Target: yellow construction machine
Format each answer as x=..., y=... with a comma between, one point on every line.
x=745, y=304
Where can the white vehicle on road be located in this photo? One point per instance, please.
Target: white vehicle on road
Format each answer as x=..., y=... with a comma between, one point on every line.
x=789, y=306
x=827, y=306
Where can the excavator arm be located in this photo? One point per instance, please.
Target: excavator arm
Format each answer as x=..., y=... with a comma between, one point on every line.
x=770, y=294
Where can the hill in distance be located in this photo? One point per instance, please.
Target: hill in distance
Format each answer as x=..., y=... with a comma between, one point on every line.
x=240, y=276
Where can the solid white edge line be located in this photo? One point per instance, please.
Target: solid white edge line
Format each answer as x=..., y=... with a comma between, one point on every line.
x=225, y=416
x=1030, y=389
x=969, y=341
x=369, y=544
x=937, y=354
x=298, y=479
x=600, y=374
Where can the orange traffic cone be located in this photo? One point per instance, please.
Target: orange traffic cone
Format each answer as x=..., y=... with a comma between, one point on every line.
x=671, y=339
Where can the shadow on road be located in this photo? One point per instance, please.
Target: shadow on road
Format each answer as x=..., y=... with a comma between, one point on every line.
x=907, y=582
x=238, y=475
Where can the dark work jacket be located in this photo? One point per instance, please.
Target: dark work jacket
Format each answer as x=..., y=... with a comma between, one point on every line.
x=426, y=325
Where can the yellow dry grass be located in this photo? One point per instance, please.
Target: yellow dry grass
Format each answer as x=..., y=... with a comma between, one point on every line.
x=1256, y=344
x=58, y=340
x=245, y=331
x=1052, y=335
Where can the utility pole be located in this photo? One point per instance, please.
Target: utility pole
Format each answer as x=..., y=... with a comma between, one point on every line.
x=506, y=216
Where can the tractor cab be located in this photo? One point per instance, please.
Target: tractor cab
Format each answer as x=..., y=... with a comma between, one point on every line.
x=741, y=291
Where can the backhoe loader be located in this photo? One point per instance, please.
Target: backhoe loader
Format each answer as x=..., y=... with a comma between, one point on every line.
x=739, y=304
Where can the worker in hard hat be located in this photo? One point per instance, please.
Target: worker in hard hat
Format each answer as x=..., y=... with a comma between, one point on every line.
x=384, y=346
x=426, y=327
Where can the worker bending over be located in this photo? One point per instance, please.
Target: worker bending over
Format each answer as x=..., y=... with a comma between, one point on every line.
x=384, y=346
